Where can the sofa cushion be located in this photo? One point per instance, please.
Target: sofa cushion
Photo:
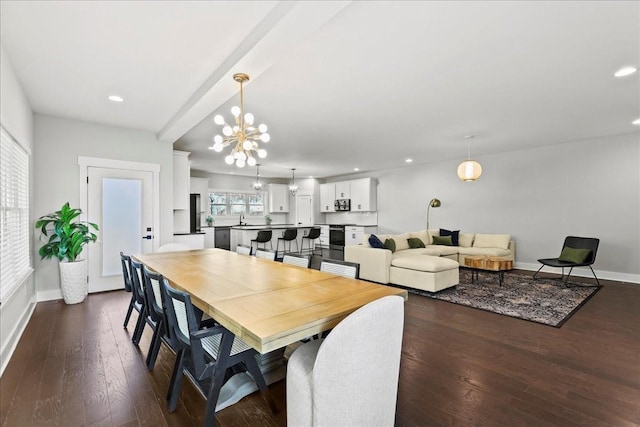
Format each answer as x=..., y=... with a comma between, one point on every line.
x=444, y=250
x=425, y=263
x=375, y=242
x=422, y=235
x=492, y=241
x=484, y=251
x=446, y=240
x=414, y=252
x=465, y=240
x=390, y=244
x=401, y=241
x=453, y=234
x=365, y=239
x=415, y=242
x=576, y=256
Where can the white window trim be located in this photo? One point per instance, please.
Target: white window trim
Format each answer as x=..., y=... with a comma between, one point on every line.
x=265, y=196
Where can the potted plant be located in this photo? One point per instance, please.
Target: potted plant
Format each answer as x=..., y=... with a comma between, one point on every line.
x=209, y=220
x=268, y=219
x=65, y=238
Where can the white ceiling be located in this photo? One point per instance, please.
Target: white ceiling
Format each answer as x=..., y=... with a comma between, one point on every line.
x=341, y=85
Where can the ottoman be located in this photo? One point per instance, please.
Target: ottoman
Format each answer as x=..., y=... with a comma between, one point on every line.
x=426, y=272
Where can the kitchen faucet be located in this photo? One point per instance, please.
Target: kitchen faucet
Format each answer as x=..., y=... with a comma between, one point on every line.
x=241, y=218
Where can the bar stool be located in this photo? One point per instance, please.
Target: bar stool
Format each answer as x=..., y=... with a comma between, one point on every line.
x=263, y=237
x=313, y=234
x=288, y=235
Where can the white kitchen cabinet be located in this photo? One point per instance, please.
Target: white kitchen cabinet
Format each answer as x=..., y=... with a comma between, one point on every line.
x=343, y=190
x=353, y=235
x=278, y=198
x=327, y=197
x=324, y=235
x=181, y=181
x=209, y=237
x=363, y=195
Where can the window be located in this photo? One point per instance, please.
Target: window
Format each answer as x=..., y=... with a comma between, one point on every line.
x=235, y=203
x=15, y=263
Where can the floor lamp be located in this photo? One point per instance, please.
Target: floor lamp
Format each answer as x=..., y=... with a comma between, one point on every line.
x=434, y=203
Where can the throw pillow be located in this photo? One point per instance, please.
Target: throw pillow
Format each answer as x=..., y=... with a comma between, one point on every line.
x=576, y=256
x=375, y=242
x=439, y=240
x=390, y=244
x=454, y=235
x=415, y=243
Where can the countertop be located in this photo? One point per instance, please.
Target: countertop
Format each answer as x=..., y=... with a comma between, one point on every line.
x=186, y=233
x=269, y=227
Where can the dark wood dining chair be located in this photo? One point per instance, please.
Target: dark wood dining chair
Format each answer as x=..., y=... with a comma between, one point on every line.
x=138, y=292
x=125, y=260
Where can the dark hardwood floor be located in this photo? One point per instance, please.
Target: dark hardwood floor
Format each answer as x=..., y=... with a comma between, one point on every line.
x=75, y=365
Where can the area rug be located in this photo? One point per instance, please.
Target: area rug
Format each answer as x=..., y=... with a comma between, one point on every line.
x=545, y=301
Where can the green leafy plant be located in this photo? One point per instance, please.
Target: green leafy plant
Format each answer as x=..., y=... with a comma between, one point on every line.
x=209, y=220
x=65, y=237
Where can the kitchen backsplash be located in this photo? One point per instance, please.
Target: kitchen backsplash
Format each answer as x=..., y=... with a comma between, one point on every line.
x=360, y=218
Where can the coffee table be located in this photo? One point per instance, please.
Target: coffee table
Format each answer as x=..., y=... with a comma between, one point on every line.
x=488, y=263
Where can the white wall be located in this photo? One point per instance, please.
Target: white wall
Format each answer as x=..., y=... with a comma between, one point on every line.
x=58, y=144
x=17, y=118
x=539, y=196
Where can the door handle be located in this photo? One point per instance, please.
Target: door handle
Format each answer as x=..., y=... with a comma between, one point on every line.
x=147, y=237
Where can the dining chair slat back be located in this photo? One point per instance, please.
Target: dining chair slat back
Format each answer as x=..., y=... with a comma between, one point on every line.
x=341, y=268
x=266, y=254
x=299, y=260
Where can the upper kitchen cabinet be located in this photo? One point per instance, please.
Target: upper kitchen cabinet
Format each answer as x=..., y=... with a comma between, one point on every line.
x=363, y=195
x=278, y=198
x=181, y=181
x=327, y=197
x=343, y=190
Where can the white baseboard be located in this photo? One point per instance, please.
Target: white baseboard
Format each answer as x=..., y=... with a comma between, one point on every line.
x=50, y=295
x=14, y=336
x=583, y=272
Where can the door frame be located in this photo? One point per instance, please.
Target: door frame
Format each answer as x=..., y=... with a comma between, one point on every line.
x=295, y=208
x=86, y=162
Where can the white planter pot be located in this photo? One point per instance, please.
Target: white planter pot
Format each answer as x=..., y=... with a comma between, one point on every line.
x=73, y=281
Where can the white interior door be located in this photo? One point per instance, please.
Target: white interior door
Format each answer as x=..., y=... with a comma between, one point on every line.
x=304, y=211
x=120, y=201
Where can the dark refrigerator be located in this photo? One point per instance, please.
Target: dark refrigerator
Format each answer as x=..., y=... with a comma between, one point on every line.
x=194, y=213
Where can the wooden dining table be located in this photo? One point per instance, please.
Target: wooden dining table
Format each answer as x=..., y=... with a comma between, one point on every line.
x=266, y=303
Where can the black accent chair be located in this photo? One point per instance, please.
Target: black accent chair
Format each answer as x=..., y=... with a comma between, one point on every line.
x=263, y=237
x=310, y=238
x=289, y=235
x=573, y=242
x=125, y=260
x=204, y=355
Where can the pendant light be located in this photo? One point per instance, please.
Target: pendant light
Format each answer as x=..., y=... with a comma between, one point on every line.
x=257, y=185
x=293, y=187
x=469, y=170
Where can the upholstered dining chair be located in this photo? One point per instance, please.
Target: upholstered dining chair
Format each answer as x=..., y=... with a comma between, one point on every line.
x=299, y=260
x=266, y=254
x=576, y=252
x=138, y=290
x=243, y=250
x=340, y=268
x=204, y=355
x=125, y=260
x=349, y=378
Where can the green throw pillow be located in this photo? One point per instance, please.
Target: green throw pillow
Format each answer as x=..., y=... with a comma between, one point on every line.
x=415, y=243
x=446, y=240
x=390, y=244
x=576, y=256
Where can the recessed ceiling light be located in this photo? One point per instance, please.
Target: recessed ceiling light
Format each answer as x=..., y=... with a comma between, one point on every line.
x=625, y=71
x=356, y=169
x=116, y=98
x=636, y=122
x=409, y=160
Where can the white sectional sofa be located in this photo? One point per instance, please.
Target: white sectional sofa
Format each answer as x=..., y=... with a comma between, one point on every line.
x=432, y=268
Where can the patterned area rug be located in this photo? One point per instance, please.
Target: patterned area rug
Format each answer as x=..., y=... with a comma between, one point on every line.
x=543, y=301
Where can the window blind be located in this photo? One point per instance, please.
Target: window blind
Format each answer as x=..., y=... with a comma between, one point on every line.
x=15, y=263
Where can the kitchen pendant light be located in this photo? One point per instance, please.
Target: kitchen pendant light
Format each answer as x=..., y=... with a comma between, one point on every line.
x=469, y=170
x=257, y=185
x=293, y=187
x=244, y=135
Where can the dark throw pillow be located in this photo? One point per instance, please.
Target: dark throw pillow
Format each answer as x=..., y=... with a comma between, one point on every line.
x=390, y=244
x=415, y=243
x=576, y=256
x=375, y=242
x=439, y=240
x=454, y=235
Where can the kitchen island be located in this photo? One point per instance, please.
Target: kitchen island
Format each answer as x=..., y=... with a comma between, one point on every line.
x=243, y=234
